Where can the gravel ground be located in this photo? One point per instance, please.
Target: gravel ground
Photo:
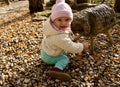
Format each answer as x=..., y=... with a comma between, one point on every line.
x=21, y=64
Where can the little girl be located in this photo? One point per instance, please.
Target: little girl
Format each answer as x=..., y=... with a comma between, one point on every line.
x=57, y=41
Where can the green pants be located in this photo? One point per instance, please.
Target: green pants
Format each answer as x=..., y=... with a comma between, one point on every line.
x=60, y=61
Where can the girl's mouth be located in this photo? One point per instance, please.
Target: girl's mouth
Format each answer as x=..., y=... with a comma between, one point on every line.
x=63, y=26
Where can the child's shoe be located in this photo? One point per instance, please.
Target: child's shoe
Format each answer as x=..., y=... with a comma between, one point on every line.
x=59, y=74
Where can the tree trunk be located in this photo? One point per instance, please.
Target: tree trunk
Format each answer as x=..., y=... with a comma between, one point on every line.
x=81, y=4
x=117, y=6
x=35, y=6
x=7, y=2
x=83, y=1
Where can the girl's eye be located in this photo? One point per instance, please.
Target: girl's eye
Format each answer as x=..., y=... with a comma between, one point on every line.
x=67, y=19
x=59, y=20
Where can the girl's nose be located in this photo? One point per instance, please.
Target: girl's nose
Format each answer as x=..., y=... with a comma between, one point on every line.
x=64, y=23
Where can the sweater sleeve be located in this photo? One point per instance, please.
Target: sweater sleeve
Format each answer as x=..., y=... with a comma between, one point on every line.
x=64, y=42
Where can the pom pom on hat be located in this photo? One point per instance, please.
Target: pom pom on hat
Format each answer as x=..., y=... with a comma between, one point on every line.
x=59, y=9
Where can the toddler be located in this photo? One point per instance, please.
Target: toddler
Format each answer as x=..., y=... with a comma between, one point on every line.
x=57, y=41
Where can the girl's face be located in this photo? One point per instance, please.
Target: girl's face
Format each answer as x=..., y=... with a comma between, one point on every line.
x=62, y=23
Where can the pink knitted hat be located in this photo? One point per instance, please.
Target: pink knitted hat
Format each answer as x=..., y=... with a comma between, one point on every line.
x=60, y=9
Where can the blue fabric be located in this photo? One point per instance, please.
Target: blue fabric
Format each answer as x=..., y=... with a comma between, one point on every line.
x=60, y=61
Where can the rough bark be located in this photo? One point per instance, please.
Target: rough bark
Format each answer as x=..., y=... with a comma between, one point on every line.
x=7, y=2
x=82, y=1
x=81, y=4
x=117, y=6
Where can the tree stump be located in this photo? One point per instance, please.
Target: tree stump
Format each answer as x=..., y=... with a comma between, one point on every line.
x=35, y=6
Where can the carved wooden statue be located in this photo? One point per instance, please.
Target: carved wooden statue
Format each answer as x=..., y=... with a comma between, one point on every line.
x=92, y=21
